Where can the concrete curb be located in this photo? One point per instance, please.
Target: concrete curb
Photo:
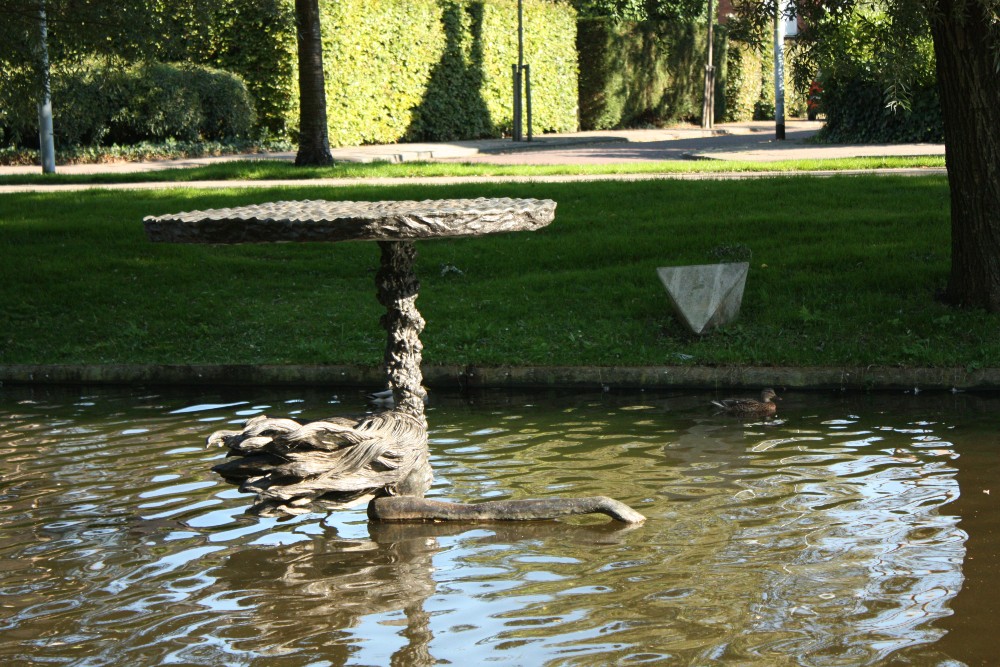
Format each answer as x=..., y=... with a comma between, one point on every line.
x=857, y=378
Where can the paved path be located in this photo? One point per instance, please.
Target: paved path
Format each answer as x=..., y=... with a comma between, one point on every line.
x=729, y=142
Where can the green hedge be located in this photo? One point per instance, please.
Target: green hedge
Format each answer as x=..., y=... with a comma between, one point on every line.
x=640, y=73
x=100, y=105
x=652, y=73
x=749, y=84
x=256, y=40
x=857, y=112
x=387, y=80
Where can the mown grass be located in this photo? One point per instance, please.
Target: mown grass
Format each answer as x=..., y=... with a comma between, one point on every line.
x=844, y=271
x=280, y=170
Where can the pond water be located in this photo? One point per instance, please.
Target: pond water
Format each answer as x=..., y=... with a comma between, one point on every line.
x=855, y=530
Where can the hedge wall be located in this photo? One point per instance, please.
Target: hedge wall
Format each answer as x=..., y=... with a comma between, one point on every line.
x=634, y=74
x=644, y=73
x=749, y=84
x=856, y=112
x=431, y=70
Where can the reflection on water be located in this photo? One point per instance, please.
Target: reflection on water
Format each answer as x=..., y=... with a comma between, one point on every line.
x=828, y=538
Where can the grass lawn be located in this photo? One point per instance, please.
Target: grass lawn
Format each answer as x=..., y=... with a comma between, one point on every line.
x=844, y=270
x=275, y=170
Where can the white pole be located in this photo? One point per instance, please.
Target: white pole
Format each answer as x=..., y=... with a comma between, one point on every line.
x=708, y=102
x=779, y=71
x=46, y=138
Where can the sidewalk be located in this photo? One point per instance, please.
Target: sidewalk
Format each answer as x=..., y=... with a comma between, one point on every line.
x=753, y=141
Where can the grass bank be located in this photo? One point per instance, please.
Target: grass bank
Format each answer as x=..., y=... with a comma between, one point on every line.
x=844, y=271
x=261, y=170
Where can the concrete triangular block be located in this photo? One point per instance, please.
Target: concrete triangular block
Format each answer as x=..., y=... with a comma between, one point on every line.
x=705, y=296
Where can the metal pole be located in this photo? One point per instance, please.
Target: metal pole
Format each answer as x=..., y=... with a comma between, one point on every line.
x=779, y=71
x=516, y=130
x=527, y=95
x=516, y=126
x=46, y=139
x=520, y=34
x=708, y=105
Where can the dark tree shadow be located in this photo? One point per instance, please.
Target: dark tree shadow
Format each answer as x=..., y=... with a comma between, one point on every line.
x=453, y=106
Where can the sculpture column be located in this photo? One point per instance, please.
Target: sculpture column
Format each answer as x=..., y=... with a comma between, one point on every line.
x=397, y=290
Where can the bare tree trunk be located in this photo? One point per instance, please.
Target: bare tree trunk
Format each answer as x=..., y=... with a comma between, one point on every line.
x=314, y=142
x=970, y=103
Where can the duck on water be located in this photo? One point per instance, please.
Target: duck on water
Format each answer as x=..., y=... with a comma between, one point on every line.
x=750, y=407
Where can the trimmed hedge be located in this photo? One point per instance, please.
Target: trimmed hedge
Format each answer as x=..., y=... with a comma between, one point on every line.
x=144, y=102
x=857, y=112
x=438, y=70
x=255, y=39
x=635, y=74
x=644, y=73
x=749, y=86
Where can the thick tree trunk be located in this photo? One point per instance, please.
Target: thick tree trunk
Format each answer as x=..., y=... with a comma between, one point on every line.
x=970, y=102
x=314, y=143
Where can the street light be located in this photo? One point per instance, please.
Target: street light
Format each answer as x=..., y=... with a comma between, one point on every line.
x=708, y=104
x=779, y=70
x=520, y=72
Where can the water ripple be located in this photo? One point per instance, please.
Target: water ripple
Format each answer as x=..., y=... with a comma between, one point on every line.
x=825, y=539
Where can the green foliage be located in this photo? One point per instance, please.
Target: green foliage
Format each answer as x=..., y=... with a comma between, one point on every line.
x=876, y=64
x=142, y=151
x=644, y=73
x=103, y=104
x=642, y=10
x=256, y=40
x=386, y=81
x=857, y=112
x=744, y=82
x=749, y=84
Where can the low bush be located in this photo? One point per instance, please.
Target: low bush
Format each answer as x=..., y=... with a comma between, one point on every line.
x=99, y=105
x=879, y=80
x=858, y=111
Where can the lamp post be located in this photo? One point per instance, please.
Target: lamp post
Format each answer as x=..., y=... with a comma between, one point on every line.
x=521, y=75
x=45, y=133
x=779, y=71
x=708, y=104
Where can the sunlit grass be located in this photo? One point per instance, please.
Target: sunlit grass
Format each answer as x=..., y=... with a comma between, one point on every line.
x=844, y=270
x=280, y=170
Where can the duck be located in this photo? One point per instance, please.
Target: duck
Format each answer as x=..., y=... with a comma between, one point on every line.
x=749, y=407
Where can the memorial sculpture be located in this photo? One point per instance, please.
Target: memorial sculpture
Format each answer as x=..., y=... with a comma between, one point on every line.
x=295, y=467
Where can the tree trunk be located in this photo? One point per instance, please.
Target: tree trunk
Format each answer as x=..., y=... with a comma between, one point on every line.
x=970, y=103
x=314, y=143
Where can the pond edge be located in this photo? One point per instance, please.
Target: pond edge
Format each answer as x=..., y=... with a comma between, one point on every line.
x=864, y=378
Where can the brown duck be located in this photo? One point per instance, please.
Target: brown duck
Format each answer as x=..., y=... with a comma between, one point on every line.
x=749, y=407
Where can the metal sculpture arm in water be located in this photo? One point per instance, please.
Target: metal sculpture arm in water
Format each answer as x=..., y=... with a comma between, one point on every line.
x=382, y=459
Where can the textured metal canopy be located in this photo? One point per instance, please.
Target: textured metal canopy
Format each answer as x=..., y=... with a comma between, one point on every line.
x=318, y=220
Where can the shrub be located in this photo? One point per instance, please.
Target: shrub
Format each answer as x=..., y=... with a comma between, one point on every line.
x=879, y=81
x=153, y=101
x=97, y=104
x=749, y=85
x=226, y=105
x=857, y=112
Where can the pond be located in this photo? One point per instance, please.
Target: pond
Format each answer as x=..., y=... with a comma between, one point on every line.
x=854, y=530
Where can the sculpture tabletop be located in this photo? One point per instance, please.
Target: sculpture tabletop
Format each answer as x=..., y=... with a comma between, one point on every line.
x=319, y=220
